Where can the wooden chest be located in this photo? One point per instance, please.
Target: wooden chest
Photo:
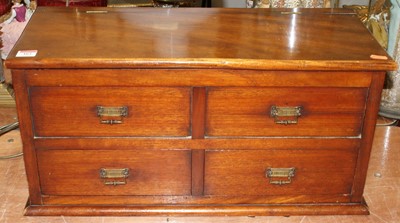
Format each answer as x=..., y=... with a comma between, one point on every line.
x=190, y=111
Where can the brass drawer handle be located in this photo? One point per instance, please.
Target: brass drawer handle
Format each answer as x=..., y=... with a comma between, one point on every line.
x=286, y=115
x=280, y=176
x=112, y=115
x=114, y=177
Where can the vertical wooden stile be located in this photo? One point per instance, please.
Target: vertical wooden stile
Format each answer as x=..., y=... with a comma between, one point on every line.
x=368, y=131
x=198, y=128
x=25, y=121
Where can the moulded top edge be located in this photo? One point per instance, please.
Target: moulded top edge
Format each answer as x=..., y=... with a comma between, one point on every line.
x=196, y=63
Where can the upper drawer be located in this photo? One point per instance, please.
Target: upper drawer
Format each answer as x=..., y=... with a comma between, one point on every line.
x=248, y=112
x=114, y=172
x=90, y=111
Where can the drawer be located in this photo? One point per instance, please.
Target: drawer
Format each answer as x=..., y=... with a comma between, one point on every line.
x=315, y=111
x=96, y=111
x=116, y=172
x=244, y=172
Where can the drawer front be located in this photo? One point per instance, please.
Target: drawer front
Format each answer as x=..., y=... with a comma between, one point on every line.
x=80, y=111
x=309, y=111
x=116, y=172
x=244, y=172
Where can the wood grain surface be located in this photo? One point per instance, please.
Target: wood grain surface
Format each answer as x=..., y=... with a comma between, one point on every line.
x=301, y=39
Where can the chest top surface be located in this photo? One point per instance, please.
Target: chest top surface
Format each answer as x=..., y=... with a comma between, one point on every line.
x=271, y=39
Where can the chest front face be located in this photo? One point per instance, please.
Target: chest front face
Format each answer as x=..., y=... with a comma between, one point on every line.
x=188, y=130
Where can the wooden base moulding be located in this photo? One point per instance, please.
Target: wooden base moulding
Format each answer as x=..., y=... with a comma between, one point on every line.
x=200, y=210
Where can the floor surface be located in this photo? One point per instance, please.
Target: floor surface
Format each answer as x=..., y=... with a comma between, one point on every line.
x=382, y=191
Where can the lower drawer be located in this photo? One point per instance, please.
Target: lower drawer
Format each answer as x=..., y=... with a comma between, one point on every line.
x=114, y=172
x=312, y=172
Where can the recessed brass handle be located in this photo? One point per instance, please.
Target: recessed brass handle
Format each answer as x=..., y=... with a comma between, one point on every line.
x=114, y=177
x=112, y=115
x=286, y=115
x=280, y=176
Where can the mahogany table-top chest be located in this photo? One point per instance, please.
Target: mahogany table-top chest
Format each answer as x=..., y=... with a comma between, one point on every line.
x=189, y=111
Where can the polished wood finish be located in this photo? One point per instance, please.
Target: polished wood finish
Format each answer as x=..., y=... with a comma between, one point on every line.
x=326, y=39
x=199, y=85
